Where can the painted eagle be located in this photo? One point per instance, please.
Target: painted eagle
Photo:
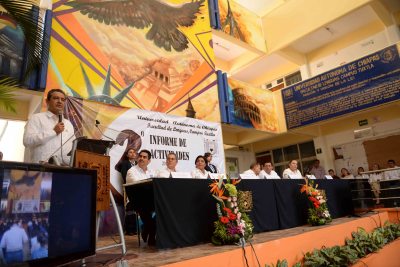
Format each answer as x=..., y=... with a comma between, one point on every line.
x=164, y=18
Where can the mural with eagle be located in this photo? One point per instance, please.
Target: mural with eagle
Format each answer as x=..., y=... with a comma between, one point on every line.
x=164, y=19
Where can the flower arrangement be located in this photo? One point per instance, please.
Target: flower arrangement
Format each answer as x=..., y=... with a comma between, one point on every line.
x=233, y=224
x=318, y=213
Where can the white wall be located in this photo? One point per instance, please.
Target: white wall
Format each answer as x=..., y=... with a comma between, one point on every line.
x=354, y=151
x=11, y=141
x=353, y=52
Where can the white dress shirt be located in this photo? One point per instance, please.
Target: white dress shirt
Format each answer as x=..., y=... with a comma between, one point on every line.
x=199, y=174
x=393, y=174
x=289, y=174
x=272, y=175
x=13, y=240
x=350, y=176
x=375, y=177
x=136, y=173
x=42, y=141
x=164, y=173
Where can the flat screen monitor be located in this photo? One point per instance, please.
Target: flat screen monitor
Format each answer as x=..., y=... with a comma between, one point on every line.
x=48, y=214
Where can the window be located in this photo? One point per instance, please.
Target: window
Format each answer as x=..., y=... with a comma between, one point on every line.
x=304, y=153
x=293, y=78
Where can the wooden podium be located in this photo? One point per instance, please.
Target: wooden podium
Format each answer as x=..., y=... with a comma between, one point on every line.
x=100, y=163
x=93, y=154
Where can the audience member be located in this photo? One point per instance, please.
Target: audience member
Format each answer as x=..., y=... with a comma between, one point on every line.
x=200, y=171
x=171, y=163
x=317, y=170
x=13, y=242
x=44, y=131
x=345, y=174
x=292, y=172
x=374, y=179
x=392, y=174
x=126, y=162
x=360, y=174
x=255, y=169
x=333, y=174
x=210, y=167
x=268, y=171
x=140, y=171
x=42, y=251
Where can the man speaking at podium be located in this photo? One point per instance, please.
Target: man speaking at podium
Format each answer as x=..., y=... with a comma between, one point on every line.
x=48, y=133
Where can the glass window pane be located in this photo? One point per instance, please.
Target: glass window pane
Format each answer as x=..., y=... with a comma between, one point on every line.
x=291, y=152
x=278, y=156
x=307, y=149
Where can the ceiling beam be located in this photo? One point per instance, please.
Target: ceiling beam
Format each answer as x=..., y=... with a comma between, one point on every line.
x=383, y=14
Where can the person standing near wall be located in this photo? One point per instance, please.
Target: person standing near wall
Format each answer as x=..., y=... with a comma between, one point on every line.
x=46, y=132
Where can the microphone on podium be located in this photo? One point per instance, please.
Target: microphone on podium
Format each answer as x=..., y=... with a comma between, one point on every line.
x=98, y=128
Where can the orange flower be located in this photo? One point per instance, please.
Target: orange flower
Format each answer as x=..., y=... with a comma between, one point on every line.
x=235, y=181
x=224, y=220
x=314, y=193
x=214, y=187
x=303, y=188
x=220, y=194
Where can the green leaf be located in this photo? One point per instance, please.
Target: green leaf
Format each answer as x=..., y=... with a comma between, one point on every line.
x=33, y=29
x=7, y=98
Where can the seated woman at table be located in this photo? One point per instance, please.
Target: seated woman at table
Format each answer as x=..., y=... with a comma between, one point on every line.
x=127, y=161
x=361, y=175
x=374, y=179
x=292, y=172
x=345, y=174
x=200, y=171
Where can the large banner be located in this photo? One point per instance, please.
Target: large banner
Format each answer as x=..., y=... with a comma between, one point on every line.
x=140, y=129
x=369, y=81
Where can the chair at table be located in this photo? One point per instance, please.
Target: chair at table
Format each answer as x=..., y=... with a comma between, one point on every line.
x=130, y=211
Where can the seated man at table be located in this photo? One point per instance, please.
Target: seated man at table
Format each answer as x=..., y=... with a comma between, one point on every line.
x=292, y=172
x=392, y=174
x=171, y=163
x=140, y=171
x=137, y=173
x=254, y=170
x=317, y=170
x=268, y=172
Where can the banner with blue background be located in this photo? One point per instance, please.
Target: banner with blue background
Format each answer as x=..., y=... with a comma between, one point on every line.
x=369, y=81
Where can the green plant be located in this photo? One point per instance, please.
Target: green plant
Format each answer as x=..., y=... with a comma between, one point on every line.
x=279, y=263
x=361, y=244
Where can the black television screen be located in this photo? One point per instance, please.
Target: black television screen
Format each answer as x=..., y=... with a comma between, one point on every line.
x=48, y=214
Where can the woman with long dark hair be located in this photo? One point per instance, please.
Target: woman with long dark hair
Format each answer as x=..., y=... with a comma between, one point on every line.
x=210, y=167
x=127, y=161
